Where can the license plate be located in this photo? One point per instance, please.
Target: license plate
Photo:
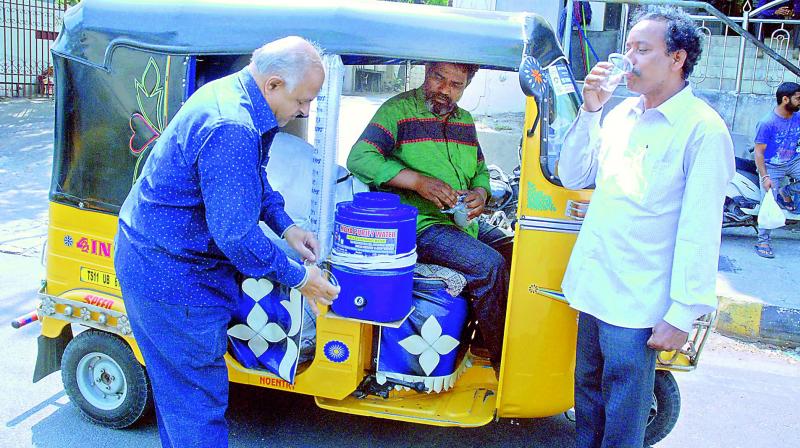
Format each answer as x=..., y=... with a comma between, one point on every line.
x=100, y=278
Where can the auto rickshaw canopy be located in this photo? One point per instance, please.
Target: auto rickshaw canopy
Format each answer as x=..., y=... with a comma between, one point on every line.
x=370, y=31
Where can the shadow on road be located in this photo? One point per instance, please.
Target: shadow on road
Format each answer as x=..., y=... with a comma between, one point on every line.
x=261, y=417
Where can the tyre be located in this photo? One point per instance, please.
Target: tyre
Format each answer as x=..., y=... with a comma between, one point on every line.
x=665, y=408
x=105, y=381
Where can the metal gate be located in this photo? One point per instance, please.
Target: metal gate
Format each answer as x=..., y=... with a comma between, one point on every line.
x=29, y=28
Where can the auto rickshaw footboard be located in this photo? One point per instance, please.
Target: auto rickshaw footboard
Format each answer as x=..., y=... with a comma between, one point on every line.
x=48, y=360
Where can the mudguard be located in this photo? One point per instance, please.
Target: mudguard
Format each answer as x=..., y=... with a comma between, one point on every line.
x=48, y=360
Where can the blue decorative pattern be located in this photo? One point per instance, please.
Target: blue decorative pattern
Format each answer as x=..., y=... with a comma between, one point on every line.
x=68, y=241
x=336, y=351
x=532, y=79
x=425, y=347
x=267, y=327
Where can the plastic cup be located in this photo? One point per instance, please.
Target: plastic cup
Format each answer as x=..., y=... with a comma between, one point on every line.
x=460, y=213
x=621, y=67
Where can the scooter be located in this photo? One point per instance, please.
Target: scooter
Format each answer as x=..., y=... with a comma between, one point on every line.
x=743, y=198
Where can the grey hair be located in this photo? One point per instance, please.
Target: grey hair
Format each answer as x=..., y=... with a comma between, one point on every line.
x=286, y=59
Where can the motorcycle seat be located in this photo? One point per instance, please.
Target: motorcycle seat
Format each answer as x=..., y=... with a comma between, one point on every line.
x=747, y=168
x=746, y=165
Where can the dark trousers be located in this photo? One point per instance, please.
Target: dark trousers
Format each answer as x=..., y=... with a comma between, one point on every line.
x=183, y=350
x=614, y=376
x=484, y=267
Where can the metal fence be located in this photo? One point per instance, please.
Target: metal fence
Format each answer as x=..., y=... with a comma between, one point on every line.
x=746, y=54
x=29, y=28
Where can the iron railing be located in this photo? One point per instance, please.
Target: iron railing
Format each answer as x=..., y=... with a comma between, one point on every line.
x=28, y=29
x=732, y=56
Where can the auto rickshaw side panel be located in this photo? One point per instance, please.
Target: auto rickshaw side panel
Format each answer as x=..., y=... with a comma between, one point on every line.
x=541, y=329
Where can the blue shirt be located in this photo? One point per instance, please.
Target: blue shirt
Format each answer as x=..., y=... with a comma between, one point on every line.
x=781, y=135
x=190, y=222
x=769, y=13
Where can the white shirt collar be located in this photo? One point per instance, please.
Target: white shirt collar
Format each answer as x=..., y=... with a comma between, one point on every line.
x=672, y=108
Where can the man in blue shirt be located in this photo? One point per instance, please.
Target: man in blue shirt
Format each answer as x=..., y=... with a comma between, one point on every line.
x=190, y=225
x=776, y=154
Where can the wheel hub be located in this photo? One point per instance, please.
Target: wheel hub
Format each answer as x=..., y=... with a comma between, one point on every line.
x=101, y=381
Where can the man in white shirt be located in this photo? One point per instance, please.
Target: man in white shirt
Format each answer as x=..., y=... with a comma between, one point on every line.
x=644, y=265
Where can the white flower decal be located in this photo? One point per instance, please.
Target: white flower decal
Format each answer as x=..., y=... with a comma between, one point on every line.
x=430, y=346
x=259, y=332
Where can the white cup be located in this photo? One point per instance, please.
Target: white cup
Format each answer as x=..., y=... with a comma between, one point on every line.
x=622, y=66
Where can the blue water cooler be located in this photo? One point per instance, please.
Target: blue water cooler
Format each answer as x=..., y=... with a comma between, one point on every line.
x=374, y=226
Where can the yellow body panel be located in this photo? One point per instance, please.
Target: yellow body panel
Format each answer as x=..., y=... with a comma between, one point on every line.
x=79, y=239
x=323, y=378
x=470, y=403
x=539, y=348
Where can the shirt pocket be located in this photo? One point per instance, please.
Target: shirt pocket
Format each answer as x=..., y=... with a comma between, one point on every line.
x=663, y=180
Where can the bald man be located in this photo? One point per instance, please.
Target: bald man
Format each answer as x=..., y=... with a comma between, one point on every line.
x=190, y=225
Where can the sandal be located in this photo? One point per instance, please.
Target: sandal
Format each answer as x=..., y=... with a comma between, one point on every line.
x=764, y=250
x=787, y=205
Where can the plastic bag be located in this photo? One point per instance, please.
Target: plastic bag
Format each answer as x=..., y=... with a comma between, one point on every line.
x=770, y=215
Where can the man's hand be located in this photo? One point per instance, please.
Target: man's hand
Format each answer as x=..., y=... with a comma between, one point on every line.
x=303, y=242
x=594, y=97
x=667, y=338
x=784, y=11
x=475, y=200
x=440, y=193
x=767, y=183
x=318, y=290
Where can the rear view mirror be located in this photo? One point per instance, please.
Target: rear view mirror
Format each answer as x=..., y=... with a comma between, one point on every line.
x=531, y=78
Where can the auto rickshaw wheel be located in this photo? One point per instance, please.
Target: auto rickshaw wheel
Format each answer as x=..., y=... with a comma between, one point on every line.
x=665, y=408
x=104, y=380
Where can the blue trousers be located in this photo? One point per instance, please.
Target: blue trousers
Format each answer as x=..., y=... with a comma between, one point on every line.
x=776, y=174
x=483, y=263
x=183, y=350
x=614, y=376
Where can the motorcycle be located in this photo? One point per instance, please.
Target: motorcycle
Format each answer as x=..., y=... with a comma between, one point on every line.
x=501, y=207
x=743, y=198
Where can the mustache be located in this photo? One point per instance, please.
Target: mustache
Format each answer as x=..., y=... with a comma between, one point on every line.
x=301, y=115
x=443, y=98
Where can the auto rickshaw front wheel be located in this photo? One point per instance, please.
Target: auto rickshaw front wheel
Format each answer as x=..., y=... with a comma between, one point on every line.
x=104, y=380
x=665, y=408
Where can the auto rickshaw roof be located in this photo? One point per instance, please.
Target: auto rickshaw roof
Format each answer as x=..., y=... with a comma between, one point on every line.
x=373, y=30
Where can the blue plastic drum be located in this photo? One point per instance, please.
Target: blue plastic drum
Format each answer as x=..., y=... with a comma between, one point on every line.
x=373, y=224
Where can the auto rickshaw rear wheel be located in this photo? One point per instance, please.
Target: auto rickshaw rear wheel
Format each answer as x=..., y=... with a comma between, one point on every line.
x=665, y=408
x=104, y=380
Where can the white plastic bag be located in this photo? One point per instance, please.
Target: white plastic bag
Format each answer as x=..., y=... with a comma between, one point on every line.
x=770, y=215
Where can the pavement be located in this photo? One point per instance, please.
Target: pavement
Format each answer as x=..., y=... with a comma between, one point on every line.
x=759, y=299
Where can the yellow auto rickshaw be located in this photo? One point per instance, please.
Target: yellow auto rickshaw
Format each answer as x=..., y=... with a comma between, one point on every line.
x=122, y=71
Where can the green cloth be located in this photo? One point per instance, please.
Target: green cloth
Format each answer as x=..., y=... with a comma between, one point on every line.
x=405, y=134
